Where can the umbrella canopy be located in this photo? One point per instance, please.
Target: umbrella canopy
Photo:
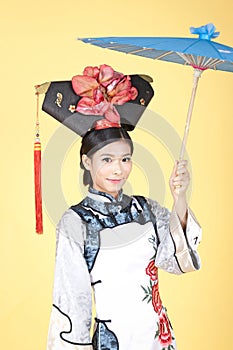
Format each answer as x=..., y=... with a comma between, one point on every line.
x=199, y=52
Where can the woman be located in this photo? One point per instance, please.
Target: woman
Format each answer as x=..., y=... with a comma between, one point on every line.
x=113, y=244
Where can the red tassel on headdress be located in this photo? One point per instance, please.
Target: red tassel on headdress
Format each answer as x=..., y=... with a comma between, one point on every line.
x=37, y=175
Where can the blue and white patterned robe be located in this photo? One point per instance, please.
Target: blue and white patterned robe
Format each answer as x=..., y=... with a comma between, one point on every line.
x=105, y=245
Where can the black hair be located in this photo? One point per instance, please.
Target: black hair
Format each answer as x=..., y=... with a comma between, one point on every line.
x=94, y=140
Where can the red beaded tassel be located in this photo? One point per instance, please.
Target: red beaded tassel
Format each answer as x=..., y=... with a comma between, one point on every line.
x=37, y=174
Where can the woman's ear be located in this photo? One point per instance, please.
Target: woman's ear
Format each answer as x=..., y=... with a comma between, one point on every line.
x=86, y=161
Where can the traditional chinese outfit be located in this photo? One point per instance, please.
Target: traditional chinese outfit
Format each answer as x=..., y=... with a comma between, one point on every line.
x=115, y=247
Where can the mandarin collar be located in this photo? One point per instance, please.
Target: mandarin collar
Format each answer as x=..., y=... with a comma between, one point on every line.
x=103, y=196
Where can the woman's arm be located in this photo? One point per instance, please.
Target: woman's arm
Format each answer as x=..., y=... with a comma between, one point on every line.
x=179, y=182
x=71, y=315
x=176, y=250
x=179, y=233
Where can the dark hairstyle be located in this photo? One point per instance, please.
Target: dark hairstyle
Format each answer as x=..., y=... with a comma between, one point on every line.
x=94, y=140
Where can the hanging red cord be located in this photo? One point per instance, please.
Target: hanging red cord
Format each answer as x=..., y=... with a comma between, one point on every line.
x=37, y=174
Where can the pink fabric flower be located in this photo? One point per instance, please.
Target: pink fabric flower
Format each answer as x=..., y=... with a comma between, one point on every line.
x=91, y=71
x=101, y=88
x=84, y=85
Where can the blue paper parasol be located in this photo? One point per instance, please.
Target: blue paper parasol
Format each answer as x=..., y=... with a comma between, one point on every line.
x=201, y=53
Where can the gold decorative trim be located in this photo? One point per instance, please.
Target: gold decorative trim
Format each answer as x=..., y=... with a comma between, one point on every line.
x=42, y=88
x=146, y=77
x=59, y=99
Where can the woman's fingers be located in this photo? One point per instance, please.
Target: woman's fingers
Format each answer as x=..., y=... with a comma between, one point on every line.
x=180, y=178
x=175, y=168
x=182, y=167
x=180, y=183
x=184, y=175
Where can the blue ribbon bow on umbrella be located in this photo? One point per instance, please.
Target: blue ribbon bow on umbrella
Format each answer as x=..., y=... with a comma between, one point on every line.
x=201, y=53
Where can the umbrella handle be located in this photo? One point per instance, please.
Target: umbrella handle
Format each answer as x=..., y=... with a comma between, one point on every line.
x=197, y=74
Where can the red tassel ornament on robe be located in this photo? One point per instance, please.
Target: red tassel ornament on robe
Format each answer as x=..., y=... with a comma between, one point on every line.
x=37, y=176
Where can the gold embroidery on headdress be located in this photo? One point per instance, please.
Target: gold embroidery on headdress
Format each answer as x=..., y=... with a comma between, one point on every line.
x=59, y=99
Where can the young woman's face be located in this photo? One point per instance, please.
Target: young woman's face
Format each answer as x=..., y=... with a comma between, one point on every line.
x=110, y=167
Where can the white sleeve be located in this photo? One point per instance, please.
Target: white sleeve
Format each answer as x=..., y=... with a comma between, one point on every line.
x=176, y=249
x=71, y=315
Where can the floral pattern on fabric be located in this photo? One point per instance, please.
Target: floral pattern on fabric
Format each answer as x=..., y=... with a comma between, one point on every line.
x=152, y=291
x=163, y=333
x=103, y=338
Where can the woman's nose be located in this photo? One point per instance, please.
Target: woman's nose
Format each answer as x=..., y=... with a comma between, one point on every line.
x=117, y=168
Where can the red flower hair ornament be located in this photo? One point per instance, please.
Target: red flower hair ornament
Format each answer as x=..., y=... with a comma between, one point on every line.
x=101, y=88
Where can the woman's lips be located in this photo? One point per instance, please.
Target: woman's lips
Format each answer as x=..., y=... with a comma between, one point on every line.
x=115, y=181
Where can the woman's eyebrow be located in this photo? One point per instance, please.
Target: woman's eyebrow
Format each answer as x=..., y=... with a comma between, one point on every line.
x=113, y=155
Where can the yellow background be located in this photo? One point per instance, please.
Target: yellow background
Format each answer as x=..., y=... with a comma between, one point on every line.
x=38, y=43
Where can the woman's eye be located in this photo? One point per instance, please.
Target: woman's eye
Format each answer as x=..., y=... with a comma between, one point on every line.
x=107, y=159
x=126, y=159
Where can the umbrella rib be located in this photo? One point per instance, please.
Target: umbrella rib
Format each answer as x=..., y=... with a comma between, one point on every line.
x=192, y=59
x=199, y=60
x=214, y=63
x=140, y=50
x=92, y=41
x=189, y=59
x=184, y=57
x=202, y=61
x=209, y=61
x=163, y=55
x=113, y=47
x=191, y=44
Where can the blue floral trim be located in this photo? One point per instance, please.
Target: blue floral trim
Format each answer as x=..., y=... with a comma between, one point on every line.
x=104, y=338
x=99, y=215
x=107, y=195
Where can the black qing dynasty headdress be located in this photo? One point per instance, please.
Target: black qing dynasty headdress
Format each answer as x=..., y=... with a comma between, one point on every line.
x=100, y=98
